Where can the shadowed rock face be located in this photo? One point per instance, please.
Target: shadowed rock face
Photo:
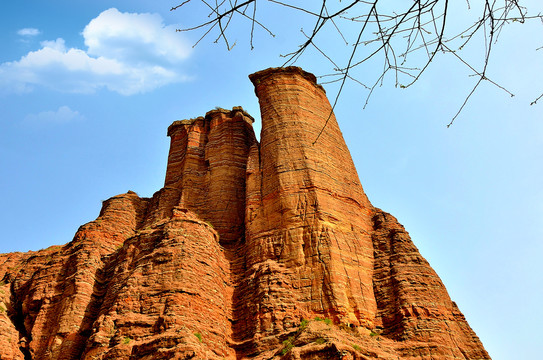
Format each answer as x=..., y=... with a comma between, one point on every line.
x=251, y=250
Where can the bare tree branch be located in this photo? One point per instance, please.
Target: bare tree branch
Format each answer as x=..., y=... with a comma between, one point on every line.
x=407, y=38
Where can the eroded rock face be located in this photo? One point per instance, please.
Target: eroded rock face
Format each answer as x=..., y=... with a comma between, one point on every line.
x=311, y=215
x=251, y=250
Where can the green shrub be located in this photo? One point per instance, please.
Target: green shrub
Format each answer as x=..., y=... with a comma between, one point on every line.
x=199, y=336
x=2, y=309
x=320, y=341
x=373, y=333
x=287, y=345
x=357, y=348
x=126, y=340
x=327, y=321
x=303, y=324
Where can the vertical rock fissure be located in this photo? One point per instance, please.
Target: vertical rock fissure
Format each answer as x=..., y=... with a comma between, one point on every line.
x=359, y=263
x=349, y=293
x=93, y=308
x=17, y=319
x=325, y=287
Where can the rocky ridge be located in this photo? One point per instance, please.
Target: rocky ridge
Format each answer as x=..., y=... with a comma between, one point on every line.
x=265, y=250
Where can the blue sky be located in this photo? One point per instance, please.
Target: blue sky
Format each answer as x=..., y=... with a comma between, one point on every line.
x=88, y=89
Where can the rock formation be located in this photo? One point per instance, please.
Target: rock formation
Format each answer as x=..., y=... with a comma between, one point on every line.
x=251, y=250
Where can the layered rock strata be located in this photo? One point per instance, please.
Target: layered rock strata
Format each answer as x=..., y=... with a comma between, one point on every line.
x=308, y=219
x=251, y=250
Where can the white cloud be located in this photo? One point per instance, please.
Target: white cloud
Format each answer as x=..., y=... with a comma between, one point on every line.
x=63, y=115
x=127, y=53
x=134, y=38
x=28, y=32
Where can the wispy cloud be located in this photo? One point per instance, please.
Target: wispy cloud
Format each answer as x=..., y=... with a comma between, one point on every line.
x=28, y=32
x=127, y=53
x=61, y=116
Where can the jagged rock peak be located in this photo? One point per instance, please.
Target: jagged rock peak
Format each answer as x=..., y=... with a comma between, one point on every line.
x=236, y=110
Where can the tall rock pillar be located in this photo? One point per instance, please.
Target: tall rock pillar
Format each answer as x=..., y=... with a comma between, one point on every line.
x=206, y=170
x=306, y=210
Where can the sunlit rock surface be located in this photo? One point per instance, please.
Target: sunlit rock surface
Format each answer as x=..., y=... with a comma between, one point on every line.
x=250, y=250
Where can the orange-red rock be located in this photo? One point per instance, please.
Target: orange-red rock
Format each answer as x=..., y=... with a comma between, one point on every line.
x=250, y=250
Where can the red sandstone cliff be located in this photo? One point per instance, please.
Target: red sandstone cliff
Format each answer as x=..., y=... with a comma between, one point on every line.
x=265, y=250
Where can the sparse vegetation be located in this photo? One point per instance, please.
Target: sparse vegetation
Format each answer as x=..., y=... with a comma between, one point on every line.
x=126, y=340
x=320, y=341
x=199, y=336
x=303, y=324
x=357, y=348
x=2, y=309
x=327, y=321
x=373, y=333
x=288, y=344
